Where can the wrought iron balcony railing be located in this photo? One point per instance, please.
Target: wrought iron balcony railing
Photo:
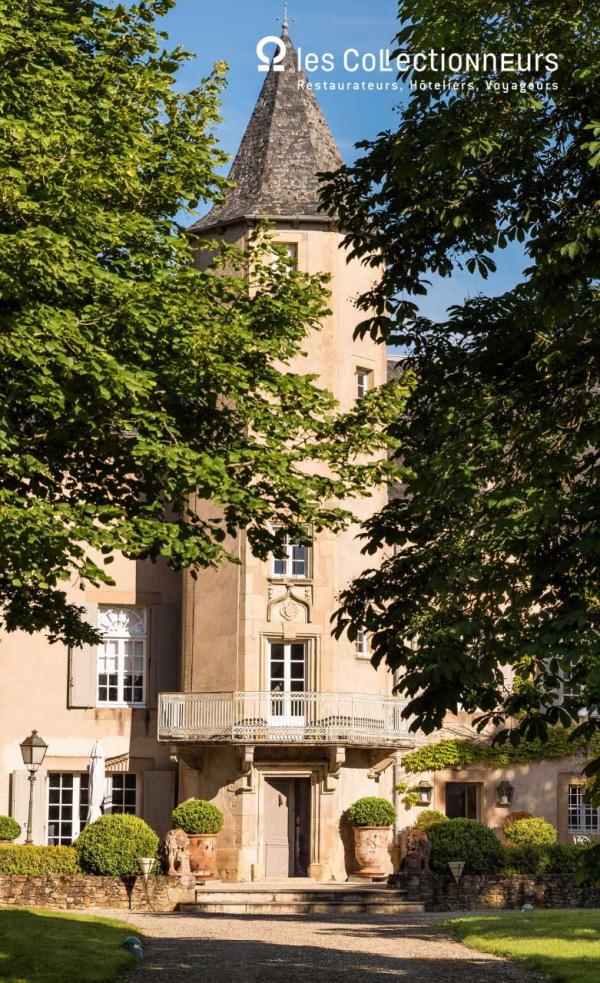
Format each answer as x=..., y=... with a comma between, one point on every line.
x=283, y=718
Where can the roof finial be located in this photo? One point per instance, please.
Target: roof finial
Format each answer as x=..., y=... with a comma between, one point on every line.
x=285, y=23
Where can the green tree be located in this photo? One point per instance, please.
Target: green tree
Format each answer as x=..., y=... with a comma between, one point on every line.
x=492, y=597
x=129, y=377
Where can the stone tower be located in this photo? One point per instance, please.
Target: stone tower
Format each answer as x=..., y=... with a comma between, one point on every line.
x=279, y=724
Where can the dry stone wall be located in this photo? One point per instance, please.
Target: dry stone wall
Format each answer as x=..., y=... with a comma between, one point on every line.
x=83, y=891
x=439, y=892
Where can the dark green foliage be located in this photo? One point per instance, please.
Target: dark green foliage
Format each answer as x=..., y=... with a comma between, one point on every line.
x=113, y=844
x=197, y=816
x=533, y=831
x=558, y=858
x=371, y=811
x=9, y=828
x=38, y=860
x=131, y=378
x=428, y=817
x=467, y=840
x=494, y=539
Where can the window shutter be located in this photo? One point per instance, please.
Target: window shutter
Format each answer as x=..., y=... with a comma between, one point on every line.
x=83, y=667
x=158, y=800
x=19, y=804
x=164, y=651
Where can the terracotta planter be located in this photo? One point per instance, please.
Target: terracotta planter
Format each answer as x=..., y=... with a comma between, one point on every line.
x=370, y=850
x=203, y=854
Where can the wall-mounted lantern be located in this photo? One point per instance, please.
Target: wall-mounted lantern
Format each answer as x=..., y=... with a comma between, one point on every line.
x=425, y=791
x=504, y=793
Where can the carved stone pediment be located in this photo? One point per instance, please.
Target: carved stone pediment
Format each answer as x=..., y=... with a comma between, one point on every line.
x=290, y=602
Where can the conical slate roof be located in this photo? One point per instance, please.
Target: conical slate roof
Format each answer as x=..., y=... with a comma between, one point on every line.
x=286, y=145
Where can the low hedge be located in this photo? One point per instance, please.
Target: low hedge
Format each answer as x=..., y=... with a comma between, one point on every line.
x=371, y=811
x=38, y=860
x=557, y=858
x=114, y=843
x=196, y=817
x=466, y=840
x=9, y=828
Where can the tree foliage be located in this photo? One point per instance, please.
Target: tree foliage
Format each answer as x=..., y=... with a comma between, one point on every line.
x=492, y=597
x=130, y=378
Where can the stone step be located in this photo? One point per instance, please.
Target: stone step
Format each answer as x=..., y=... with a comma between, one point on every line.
x=299, y=903
x=290, y=895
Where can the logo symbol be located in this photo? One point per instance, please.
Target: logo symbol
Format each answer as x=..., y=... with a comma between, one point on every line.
x=264, y=58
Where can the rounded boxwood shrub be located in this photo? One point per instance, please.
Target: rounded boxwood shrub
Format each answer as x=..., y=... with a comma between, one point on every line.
x=371, y=811
x=113, y=844
x=513, y=817
x=9, y=828
x=467, y=840
x=428, y=817
x=38, y=860
x=197, y=816
x=531, y=832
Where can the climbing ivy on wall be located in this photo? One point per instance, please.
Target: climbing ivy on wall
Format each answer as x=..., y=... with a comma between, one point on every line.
x=456, y=753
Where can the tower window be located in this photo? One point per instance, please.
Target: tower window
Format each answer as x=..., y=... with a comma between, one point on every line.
x=295, y=561
x=364, y=382
x=361, y=644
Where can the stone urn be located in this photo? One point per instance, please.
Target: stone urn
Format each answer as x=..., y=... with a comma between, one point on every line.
x=203, y=854
x=370, y=850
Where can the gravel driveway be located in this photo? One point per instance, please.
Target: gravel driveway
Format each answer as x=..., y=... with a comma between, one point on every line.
x=287, y=949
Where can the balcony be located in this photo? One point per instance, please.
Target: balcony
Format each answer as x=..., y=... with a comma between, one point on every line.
x=283, y=718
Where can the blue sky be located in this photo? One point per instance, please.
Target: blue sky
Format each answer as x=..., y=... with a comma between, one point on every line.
x=230, y=29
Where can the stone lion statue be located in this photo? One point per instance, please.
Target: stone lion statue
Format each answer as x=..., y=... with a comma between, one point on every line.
x=418, y=851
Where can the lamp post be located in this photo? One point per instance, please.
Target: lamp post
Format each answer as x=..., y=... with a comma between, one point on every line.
x=33, y=752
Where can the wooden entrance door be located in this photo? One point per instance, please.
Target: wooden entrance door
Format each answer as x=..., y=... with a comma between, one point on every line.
x=278, y=793
x=287, y=827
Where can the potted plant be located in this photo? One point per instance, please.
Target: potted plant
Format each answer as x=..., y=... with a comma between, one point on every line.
x=202, y=821
x=9, y=829
x=371, y=818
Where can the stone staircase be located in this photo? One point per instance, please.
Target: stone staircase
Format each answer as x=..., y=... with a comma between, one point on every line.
x=308, y=898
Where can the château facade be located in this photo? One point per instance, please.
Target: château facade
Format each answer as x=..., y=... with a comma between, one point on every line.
x=230, y=687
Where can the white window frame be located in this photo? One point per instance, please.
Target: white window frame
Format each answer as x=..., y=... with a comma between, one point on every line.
x=113, y=624
x=581, y=817
x=77, y=822
x=364, y=382
x=287, y=561
x=362, y=648
x=284, y=708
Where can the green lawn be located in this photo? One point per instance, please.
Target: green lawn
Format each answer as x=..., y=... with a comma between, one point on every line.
x=565, y=945
x=38, y=946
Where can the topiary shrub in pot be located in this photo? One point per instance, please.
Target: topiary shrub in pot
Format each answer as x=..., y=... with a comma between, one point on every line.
x=202, y=821
x=428, y=817
x=10, y=829
x=371, y=818
x=467, y=840
x=531, y=832
x=114, y=843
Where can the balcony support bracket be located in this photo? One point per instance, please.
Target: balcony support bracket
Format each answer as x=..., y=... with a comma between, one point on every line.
x=336, y=758
x=246, y=762
x=377, y=770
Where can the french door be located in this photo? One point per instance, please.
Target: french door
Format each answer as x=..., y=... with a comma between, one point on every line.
x=287, y=680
